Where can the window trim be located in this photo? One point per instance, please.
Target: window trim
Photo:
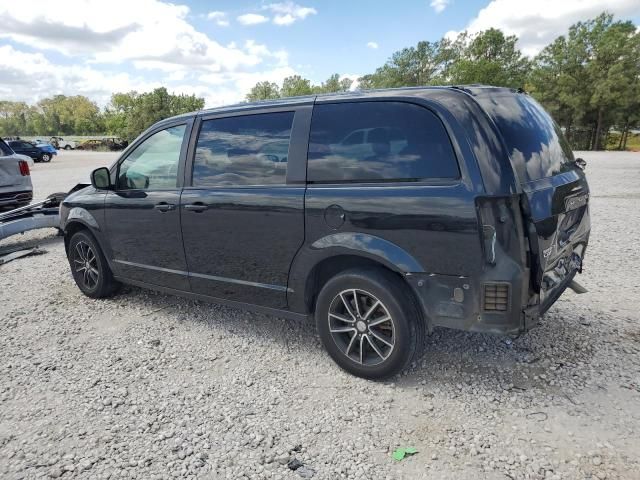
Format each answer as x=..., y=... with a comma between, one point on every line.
x=298, y=142
x=427, y=181
x=115, y=169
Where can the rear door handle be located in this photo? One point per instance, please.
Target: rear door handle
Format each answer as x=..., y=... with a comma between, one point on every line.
x=164, y=207
x=196, y=207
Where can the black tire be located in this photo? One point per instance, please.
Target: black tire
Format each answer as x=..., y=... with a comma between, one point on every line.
x=97, y=281
x=406, y=325
x=45, y=157
x=67, y=147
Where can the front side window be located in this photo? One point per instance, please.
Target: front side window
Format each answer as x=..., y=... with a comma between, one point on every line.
x=374, y=141
x=243, y=150
x=153, y=165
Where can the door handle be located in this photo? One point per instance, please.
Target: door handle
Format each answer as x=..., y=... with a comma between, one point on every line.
x=196, y=207
x=164, y=207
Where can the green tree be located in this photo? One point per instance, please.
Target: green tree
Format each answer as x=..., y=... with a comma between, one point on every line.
x=129, y=114
x=64, y=115
x=589, y=79
x=13, y=118
x=295, y=86
x=489, y=58
x=334, y=84
x=410, y=67
x=263, y=91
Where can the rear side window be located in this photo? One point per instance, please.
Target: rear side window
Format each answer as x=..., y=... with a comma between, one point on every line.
x=378, y=141
x=536, y=144
x=243, y=150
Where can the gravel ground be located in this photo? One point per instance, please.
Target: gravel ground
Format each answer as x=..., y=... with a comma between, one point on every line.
x=151, y=386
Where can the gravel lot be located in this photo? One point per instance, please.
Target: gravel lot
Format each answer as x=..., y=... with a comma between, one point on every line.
x=151, y=386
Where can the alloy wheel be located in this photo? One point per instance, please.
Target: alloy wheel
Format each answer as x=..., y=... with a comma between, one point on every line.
x=361, y=327
x=86, y=264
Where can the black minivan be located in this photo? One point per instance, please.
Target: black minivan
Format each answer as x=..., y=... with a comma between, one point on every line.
x=383, y=214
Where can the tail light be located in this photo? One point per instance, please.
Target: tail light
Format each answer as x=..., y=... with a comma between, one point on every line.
x=24, y=168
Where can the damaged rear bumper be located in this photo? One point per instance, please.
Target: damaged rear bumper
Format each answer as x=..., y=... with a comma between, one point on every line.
x=461, y=302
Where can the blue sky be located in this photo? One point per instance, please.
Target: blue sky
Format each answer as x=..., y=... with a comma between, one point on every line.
x=335, y=39
x=218, y=49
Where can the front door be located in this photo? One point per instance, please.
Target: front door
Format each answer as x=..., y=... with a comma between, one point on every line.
x=242, y=221
x=142, y=215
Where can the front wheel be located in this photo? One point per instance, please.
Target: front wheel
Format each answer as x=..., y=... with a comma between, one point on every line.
x=89, y=266
x=67, y=147
x=45, y=157
x=368, y=323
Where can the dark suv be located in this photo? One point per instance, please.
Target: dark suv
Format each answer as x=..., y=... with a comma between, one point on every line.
x=383, y=214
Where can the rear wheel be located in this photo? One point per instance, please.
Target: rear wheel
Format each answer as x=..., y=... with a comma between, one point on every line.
x=89, y=266
x=45, y=157
x=368, y=323
x=67, y=147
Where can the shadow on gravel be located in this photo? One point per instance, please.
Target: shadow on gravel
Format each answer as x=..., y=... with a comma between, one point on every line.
x=42, y=240
x=550, y=357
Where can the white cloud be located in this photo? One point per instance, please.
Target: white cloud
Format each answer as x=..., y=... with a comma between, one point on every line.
x=286, y=13
x=219, y=17
x=538, y=23
x=152, y=32
x=439, y=5
x=252, y=19
x=31, y=77
x=372, y=45
x=153, y=45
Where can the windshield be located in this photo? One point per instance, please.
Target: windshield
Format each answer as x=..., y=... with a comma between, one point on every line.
x=535, y=143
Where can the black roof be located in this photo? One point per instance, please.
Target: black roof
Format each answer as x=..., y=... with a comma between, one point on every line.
x=473, y=90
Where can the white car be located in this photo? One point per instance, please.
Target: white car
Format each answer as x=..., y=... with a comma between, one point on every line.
x=61, y=143
x=16, y=189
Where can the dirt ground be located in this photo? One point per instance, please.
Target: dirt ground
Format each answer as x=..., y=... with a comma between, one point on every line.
x=151, y=386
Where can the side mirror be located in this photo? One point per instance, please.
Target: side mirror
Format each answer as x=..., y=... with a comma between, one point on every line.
x=581, y=163
x=101, y=178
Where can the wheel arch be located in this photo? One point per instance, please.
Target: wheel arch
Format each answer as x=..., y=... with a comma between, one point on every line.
x=315, y=264
x=80, y=219
x=72, y=227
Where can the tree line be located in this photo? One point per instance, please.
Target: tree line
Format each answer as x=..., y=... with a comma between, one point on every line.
x=126, y=116
x=588, y=79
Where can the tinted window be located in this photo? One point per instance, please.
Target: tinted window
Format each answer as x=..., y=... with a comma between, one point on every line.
x=244, y=150
x=536, y=145
x=400, y=141
x=154, y=163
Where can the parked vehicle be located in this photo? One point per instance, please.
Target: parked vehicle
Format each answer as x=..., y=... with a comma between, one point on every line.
x=466, y=210
x=116, y=143
x=16, y=189
x=61, y=143
x=40, y=152
x=112, y=144
x=93, y=144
